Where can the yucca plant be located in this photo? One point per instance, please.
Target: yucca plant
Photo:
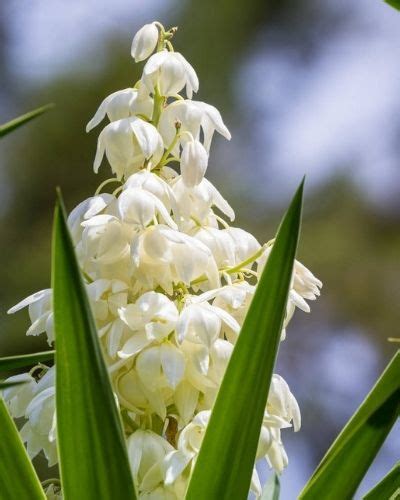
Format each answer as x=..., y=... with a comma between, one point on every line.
x=167, y=322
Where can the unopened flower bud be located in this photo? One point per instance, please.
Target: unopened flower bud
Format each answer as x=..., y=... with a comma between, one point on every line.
x=144, y=42
x=194, y=161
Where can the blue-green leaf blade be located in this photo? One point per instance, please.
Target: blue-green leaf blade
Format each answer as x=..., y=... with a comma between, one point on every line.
x=348, y=459
x=18, y=479
x=224, y=466
x=8, y=127
x=388, y=487
x=92, y=452
x=9, y=363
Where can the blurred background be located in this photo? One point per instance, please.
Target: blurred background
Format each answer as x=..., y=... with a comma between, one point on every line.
x=306, y=88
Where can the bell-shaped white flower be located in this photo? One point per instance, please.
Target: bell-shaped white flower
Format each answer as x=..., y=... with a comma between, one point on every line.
x=234, y=299
x=140, y=207
x=230, y=246
x=189, y=443
x=197, y=202
x=106, y=297
x=144, y=42
x=39, y=432
x=197, y=357
x=122, y=104
x=104, y=239
x=153, y=184
x=220, y=243
x=220, y=354
x=304, y=284
x=192, y=435
x=211, y=121
x=146, y=452
x=153, y=316
x=127, y=143
x=187, y=115
x=201, y=323
x=40, y=312
x=85, y=210
x=160, y=365
x=137, y=398
x=270, y=444
x=163, y=256
x=194, y=161
x=193, y=116
x=282, y=403
x=245, y=244
x=19, y=396
x=169, y=72
x=276, y=455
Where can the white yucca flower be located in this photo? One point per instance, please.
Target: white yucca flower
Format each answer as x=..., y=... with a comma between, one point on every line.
x=144, y=42
x=194, y=161
x=122, y=104
x=168, y=279
x=169, y=72
x=127, y=143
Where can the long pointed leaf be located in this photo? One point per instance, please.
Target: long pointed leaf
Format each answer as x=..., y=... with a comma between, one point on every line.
x=348, y=459
x=22, y=360
x=18, y=479
x=224, y=466
x=8, y=127
x=388, y=488
x=92, y=452
x=394, y=3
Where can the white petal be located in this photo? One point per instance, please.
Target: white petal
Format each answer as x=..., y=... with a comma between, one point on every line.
x=147, y=135
x=114, y=336
x=148, y=366
x=99, y=115
x=175, y=463
x=135, y=344
x=30, y=300
x=173, y=363
x=192, y=84
x=186, y=398
x=299, y=301
x=219, y=201
x=101, y=147
x=135, y=450
x=136, y=206
x=227, y=318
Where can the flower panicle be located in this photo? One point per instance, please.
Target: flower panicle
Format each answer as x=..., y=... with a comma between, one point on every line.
x=169, y=279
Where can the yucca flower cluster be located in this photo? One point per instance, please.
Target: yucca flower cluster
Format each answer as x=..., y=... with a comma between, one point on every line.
x=168, y=278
